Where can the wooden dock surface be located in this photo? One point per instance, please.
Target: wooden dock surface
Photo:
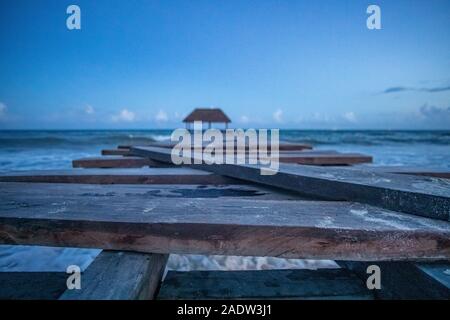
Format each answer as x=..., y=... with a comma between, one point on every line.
x=135, y=218
x=221, y=211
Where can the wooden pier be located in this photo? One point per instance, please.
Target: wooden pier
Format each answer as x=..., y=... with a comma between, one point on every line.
x=139, y=208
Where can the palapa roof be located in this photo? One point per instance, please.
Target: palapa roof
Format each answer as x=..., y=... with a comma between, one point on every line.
x=207, y=115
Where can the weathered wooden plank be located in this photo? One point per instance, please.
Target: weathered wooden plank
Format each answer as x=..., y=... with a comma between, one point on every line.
x=174, y=175
x=406, y=280
x=423, y=196
x=135, y=218
x=32, y=285
x=264, y=284
x=120, y=276
x=283, y=146
x=115, y=162
x=116, y=152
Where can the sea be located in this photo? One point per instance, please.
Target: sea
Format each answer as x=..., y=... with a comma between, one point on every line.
x=55, y=149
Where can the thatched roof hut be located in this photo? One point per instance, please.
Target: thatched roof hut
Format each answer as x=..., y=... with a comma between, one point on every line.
x=215, y=115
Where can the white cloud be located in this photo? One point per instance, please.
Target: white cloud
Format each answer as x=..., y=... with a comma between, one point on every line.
x=124, y=116
x=161, y=116
x=89, y=109
x=244, y=119
x=350, y=117
x=3, y=109
x=278, y=116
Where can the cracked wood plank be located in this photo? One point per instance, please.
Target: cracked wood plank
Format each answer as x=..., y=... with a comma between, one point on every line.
x=135, y=218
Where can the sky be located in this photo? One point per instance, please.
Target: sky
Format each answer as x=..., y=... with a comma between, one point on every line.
x=139, y=64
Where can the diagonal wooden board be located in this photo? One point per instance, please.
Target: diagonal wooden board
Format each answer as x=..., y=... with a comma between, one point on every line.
x=333, y=159
x=428, y=172
x=132, y=218
x=422, y=196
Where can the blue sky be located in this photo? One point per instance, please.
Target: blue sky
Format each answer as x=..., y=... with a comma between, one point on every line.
x=287, y=64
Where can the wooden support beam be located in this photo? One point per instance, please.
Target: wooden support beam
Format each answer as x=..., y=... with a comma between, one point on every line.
x=120, y=276
x=407, y=280
x=264, y=284
x=174, y=175
x=422, y=196
x=116, y=152
x=115, y=162
x=134, y=218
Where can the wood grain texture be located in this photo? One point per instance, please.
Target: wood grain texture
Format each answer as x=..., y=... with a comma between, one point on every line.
x=120, y=176
x=407, y=280
x=422, y=196
x=135, y=218
x=120, y=276
x=264, y=284
x=115, y=162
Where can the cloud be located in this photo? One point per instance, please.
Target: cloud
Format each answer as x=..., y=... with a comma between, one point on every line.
x=278, y=116
x=436, y=89
x=161, y=116
x=124, y=116
x=89, y=109
x=3, y=110
x=435, y=113
x=350, y=117
x=429, y=90
x=321, y=117
x=244, y=119
x=395, y=89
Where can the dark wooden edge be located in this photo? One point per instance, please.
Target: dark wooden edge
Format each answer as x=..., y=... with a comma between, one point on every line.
x=407, y=280
x=117, y=162
x=211, y=179
x=318, y=284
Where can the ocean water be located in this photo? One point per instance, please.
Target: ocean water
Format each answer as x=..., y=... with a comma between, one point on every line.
x=35, y=150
